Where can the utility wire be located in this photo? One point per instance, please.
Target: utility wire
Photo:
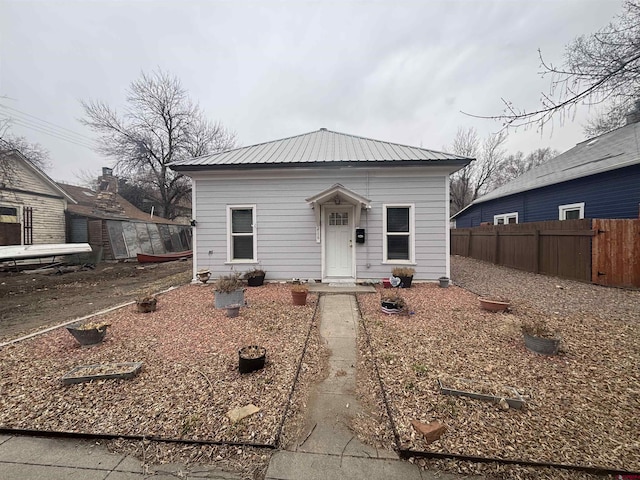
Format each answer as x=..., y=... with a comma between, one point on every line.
x=48, y=131
x=55, y=126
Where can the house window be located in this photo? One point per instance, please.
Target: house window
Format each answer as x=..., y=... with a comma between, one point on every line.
x=9, y=214
x=398, y=232
x=571, y=211
x=241, y=242
x=505, y=218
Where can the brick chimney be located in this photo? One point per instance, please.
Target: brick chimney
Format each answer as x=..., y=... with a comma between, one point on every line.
x=107, y=198
x=634, y=115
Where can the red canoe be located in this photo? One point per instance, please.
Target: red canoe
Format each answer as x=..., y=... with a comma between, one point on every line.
x=163, y=257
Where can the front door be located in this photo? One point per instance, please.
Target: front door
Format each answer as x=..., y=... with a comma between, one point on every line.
x=338, y=253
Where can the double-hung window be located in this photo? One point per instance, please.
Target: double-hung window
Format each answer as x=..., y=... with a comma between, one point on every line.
x=241, y=233
x=399, y=233
x=571, y=211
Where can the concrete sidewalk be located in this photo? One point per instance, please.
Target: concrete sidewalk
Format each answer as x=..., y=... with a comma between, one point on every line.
x=328, y=450
x=30, y=458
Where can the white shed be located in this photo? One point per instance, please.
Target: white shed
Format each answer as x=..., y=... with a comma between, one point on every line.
x=322, y=205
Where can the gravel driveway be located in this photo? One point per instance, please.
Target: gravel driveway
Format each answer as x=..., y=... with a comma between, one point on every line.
x=547, y=294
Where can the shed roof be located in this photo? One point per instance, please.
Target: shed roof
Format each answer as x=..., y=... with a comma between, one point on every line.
x=610, y=151
x=320, y=148
x=87, y=206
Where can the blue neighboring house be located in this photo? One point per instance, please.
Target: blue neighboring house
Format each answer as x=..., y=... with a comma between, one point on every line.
x=598, y=178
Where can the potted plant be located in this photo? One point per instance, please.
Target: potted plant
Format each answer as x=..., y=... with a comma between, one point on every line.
x=146, y=303
x=299, y=294
x=233, y=310
x=494, y=304
x=392, y=302
x=228, y=290
x=251, y=358
x=405, y=274
x=255, y=277
x=88, y=334
x=539, y=338
x=204, y=275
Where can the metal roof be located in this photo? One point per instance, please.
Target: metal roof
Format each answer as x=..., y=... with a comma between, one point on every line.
x=319, y=148
x=610, y=151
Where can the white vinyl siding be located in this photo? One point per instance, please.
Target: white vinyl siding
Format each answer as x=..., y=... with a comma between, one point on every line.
x=241, y=234
x=571, y=211
x=505, y=218
x=285, y=230
x=398, y=226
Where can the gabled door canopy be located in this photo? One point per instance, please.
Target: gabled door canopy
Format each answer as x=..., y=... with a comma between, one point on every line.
x=338, y=195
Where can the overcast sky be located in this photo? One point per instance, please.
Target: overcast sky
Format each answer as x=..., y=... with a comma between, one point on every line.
x=399, y=71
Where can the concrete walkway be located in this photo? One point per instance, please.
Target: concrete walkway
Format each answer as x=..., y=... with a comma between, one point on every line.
x=328, y=450
x=29, y=458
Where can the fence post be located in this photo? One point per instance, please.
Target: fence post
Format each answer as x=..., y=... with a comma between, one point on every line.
x=497, y=248
x=468, y=243
x=536, y=251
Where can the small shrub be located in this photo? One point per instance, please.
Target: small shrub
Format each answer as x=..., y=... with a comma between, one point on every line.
x=403, y=272
x=299, y=288
x=537, y=327
x=394, y=297
x=228, y=283
x=146, y=298
x=255, y=272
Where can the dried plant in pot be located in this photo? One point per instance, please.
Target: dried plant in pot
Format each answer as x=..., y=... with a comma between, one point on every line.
x=251, y=358
x=228, y=290
x=391, y=302
x=538, y=337
x=146, y=303
x=88, y=334
x=255, y=277
x=299, y=294
x=405, y=274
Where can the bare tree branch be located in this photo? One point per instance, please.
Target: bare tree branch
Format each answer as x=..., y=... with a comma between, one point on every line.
x=160, y=125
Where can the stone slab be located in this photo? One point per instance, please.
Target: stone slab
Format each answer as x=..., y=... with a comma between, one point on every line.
x=58, y=452
x=20, y=471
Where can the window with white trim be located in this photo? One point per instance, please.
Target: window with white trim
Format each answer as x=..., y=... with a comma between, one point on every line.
x=505, y=218
x=398, y=233
x=571, y=211
x=241, y=233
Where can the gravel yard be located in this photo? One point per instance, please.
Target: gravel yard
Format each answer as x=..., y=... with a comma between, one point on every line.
x=189, y=380
x=582, y=405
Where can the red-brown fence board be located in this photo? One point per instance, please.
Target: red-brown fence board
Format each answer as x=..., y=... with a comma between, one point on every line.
x=616, y=253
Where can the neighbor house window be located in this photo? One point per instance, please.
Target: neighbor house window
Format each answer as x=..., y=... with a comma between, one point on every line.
x=398, y=231
x=505, y=218
x=241, y=230
x=571, y=211
x=8, y=214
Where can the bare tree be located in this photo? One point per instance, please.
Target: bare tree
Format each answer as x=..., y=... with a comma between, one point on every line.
x=600, y=68
x=34, y=152
x=516, y=164
x=607, y=120
x=160, y=125
x=476, y=178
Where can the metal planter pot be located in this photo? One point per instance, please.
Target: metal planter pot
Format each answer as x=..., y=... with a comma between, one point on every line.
x=222, y=299
x=543, y=346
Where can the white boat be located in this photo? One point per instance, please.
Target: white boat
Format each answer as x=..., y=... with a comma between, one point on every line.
x=22, y=252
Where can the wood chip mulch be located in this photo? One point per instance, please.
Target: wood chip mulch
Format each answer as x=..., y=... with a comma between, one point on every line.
x=189, y=381
x=583, y=405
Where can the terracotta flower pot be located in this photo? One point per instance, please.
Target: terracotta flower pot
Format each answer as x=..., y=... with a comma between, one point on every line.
x=146, y=306
x=299, y=298
x=494, y=305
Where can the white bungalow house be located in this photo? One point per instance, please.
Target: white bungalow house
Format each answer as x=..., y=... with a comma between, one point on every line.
x=322, y=205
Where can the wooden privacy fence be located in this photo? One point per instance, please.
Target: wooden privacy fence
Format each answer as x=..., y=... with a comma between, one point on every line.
x=606, y=252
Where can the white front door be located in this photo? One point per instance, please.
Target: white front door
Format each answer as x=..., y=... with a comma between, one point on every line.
x=338, y=244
